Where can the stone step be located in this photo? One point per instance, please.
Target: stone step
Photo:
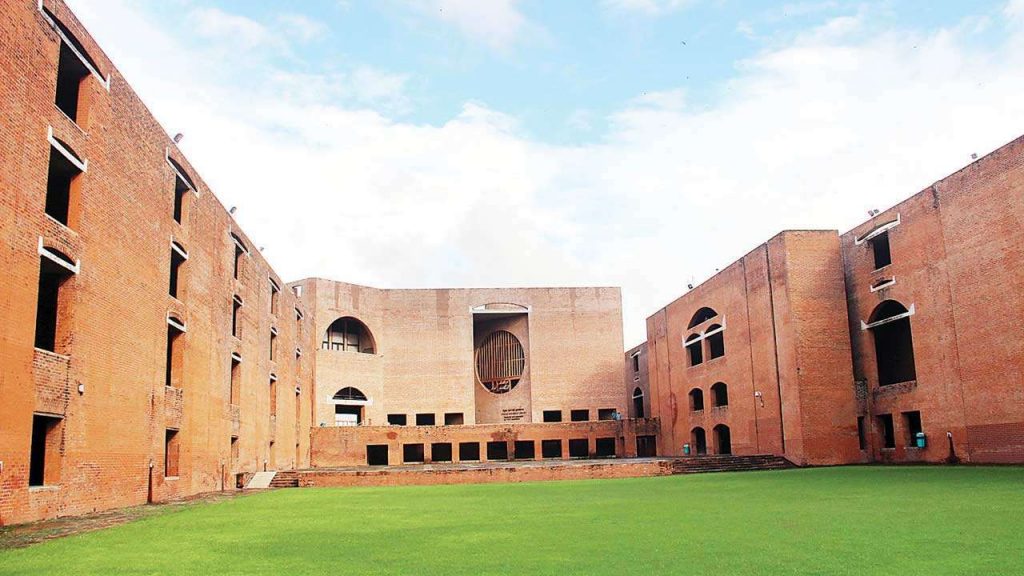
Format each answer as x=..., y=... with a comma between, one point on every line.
x=726, y=463
x=286, y=479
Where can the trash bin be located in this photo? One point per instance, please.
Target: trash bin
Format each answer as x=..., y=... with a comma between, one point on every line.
x=686, y=449
x=920, y=440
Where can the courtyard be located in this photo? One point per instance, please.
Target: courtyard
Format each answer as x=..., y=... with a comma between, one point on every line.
x=844, y=520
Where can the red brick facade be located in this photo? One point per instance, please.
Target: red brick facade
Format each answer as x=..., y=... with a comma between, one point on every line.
x=948, y=263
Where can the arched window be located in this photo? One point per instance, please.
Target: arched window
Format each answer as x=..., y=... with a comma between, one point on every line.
x=500, y=362
x=698, y=441
x=894, y=343
x=693, y=349
x=349, y=335
x=638, y=403
x=719, y=395
x=696, y=400
x=349, y=404
x=715, y=336
x=723, y=439
x=701, y=316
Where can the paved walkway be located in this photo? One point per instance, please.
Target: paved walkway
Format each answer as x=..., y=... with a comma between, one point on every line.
x=21, y=535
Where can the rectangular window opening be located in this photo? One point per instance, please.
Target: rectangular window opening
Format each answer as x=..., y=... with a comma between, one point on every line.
x=236, y=305
x=424, y=419
x=469, y=451
x=171, y=451
x=880, y=249
x=377, y=454
x=71, y=74
x=180, y=193
x=912, y=425
x=52, y=306
x=604, y=448
x=397, y=419
x=579, y=448
x=636, y=363
x=862, y=438
x=552, y=415
x=176, y=262
x=441, y=452
x=275, y=297
x=525, y=450
x=236, y=378
x=62, y=180
x=412, y=453
x=580, y=415
x=606, y=413
x=454, y=419
x=44, y=459
x=888, y=432
x=551, y=448
x=174, y=363
x=273, y=397
x=497, y=450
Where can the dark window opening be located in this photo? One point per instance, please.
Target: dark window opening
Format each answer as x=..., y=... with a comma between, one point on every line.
x=275, y=297
x=412, y=453
x=636, y=363
x=723, y=439
x=61, y=184
x=51, y=306
x=551, y=448
x=716, y=342
x=236, y=305
x=376, y=454
x=173, y=368
x=273, y=346
x=888, y=431
x=579, y=415
x=469, y=451
x=71, y=73
x=894, y=344
x=233, y=452
x=880, y=249
x=579, y=448
x=698, y=441
x=424, y=419
x=646, y=446
x=912, y=425
x=177, y=259
x=862, y=437
x=638, y=403
x=44, y=459
x=441, y=452
x=702, y=315
x=397, y=419
x=237, y=267
x=604, y=448
x=497, y=450
x=696, y=400
x=719, y=395
x=171, y=450
x=694, y=351
x=552, y=415
x=525, y=450
x=236, y=376
x=606, y=413
x=348, y=335
x=454, y=419
x=180, y=192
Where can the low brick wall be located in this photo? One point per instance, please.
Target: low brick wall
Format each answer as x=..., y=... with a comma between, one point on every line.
x=528, y=472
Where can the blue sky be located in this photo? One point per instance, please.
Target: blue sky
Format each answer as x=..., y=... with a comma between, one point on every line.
x=635, y=143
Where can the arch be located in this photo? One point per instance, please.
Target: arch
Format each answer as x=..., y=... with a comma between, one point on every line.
x=719, y=395
x=894, y=343
x=500, y=362
x=69, y=153
x=723, y=439
x=182, y=173
x=696, y=400
x=698, y=441
x=638, y=403
x=693, y=348
x=73, y=42
x=348, y=334
x=715, y=335
x=701, y=316
x=500, y=307
x=350, y=393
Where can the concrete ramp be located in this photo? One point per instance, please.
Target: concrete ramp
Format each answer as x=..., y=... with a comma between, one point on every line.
x=260, y=480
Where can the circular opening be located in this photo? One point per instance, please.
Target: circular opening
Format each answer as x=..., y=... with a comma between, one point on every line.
x=500, y=362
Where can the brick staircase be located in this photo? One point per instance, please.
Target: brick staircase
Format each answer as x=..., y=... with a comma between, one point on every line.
x=285, y=479
x=717, y=463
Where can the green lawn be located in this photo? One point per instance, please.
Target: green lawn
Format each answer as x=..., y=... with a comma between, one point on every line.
x=854, y=520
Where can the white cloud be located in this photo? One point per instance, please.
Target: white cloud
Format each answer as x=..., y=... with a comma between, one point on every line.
x=496, y=23
x=809, y=134
x=301, y=28
x=216, y=24
x=647, y=7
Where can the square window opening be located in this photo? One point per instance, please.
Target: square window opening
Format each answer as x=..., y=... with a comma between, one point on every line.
x=469, y=451
x=579, y=448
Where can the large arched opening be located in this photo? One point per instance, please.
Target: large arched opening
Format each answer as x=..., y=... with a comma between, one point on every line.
x=894, y=343
x=349, y=334
x=349, y=406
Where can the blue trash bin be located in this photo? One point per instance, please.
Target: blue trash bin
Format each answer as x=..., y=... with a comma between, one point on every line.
x=920, y=440
x=686, y=449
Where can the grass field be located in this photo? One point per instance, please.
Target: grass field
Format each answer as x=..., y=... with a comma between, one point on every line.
x=855, y=520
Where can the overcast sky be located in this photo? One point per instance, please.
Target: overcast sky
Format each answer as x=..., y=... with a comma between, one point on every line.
x=633, y=143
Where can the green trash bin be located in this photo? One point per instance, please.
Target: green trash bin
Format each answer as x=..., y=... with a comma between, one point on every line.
x=920, y=440
x=686, y=449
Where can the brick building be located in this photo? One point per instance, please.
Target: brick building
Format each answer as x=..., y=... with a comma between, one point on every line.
x=832, y=349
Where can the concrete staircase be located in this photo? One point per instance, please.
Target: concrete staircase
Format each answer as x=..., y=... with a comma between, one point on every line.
x=720, y=463
x=285, y=479
x=260, y=480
